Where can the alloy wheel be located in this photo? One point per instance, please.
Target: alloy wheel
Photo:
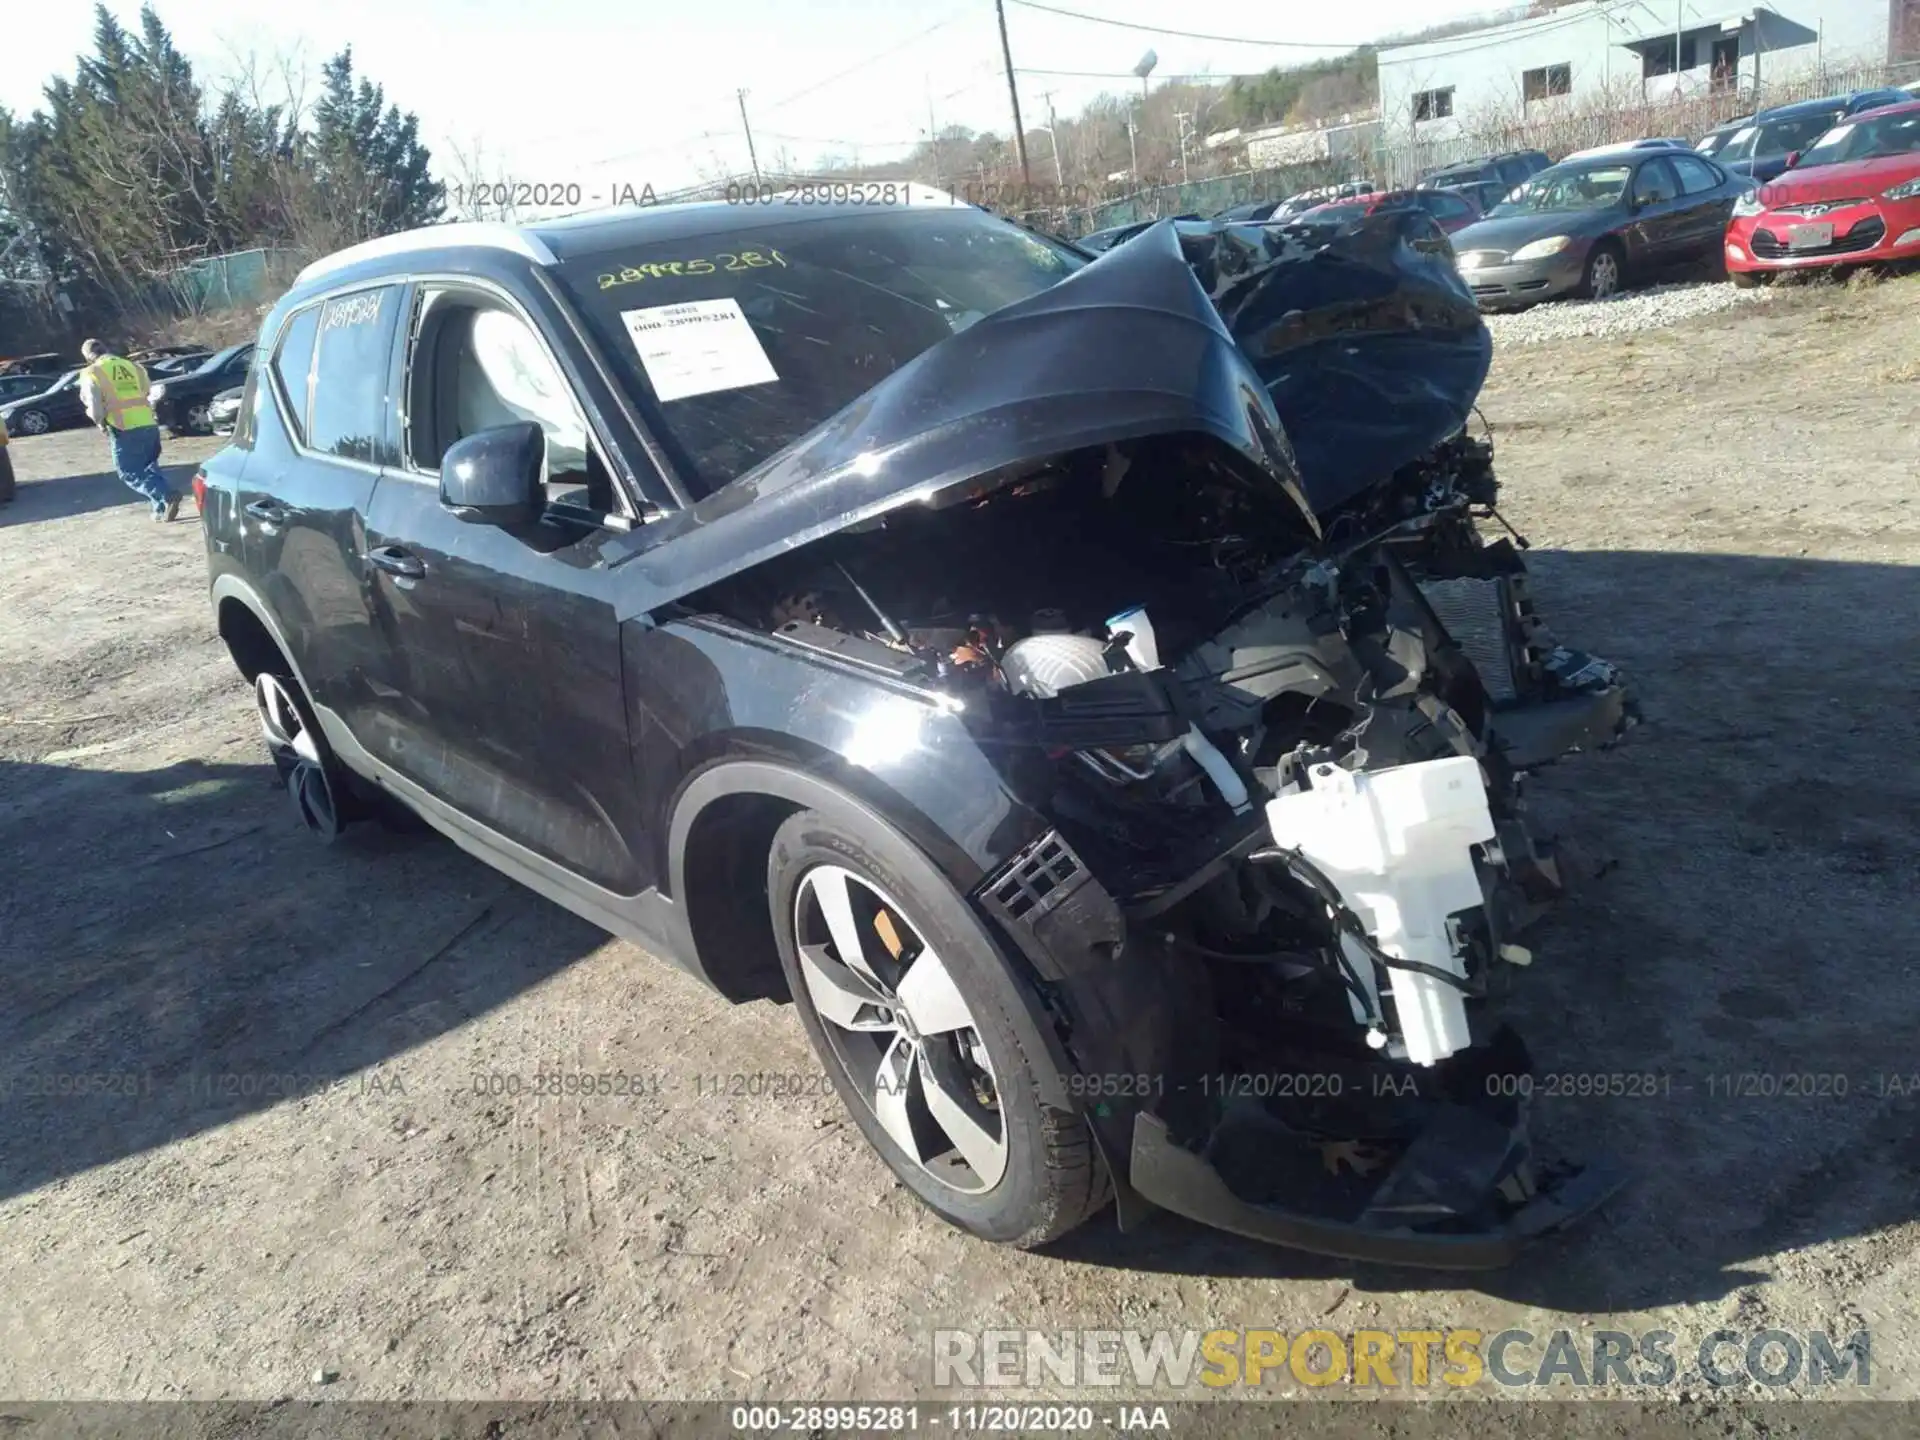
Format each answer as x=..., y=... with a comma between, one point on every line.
x=32, y=422
x=900, y=1028
x=1606, y=275
x=296, y=755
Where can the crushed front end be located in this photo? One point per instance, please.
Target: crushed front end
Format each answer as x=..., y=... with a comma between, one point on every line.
x=1274, y=704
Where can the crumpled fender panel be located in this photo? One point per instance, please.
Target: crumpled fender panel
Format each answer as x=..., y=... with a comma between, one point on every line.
x=1366, y=338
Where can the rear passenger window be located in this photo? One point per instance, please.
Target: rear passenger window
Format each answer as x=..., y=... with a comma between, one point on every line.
x=292, y=362
x=348, y=417
x=1696, y=176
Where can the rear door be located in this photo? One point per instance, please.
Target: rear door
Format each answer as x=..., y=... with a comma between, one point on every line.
x=501, y=690
x=307, y=486
x=1656, y=221
x=1706, y=203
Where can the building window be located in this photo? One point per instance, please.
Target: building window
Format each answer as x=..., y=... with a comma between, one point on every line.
x=1432, y=104
x=1546, y=82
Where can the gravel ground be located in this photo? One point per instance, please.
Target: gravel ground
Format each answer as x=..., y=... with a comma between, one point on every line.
x=1742, y=536
x=1632, y=311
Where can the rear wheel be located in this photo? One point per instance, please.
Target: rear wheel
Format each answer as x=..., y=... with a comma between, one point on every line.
x=911, y=1007
x=1605, y=275
x=314, y=780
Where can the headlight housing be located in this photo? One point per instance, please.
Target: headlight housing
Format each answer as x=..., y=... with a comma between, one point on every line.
x=1541, y=249
x=1905, y=190
x=157, y=392
x=1748, y=204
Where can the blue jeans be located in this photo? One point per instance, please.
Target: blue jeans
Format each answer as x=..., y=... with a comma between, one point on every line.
x=136, y=455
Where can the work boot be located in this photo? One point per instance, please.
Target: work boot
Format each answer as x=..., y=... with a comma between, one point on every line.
x=173, y=509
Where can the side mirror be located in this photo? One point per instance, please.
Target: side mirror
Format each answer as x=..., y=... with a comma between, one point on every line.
x=1793, y=158
x=497, y=477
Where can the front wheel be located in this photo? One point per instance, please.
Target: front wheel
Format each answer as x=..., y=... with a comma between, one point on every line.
x=1605, y=274
x=1747, y=279
x=31, y=422
x=910, y=1005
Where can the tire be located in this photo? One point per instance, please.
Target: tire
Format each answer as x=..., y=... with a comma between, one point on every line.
x=315, y=781
x=31, y=422
x=1606, y=273
x=1747, y=279
x=1021, y=1172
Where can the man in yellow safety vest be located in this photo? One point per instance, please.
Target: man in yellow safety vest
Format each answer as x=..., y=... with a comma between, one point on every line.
x=115, y=394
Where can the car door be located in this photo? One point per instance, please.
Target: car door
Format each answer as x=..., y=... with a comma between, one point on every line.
x=501, y=694
x=304, y=492
x=1706, y=203
x=1655, y=226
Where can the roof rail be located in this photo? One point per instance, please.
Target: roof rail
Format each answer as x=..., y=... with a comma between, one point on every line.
x=489, y=234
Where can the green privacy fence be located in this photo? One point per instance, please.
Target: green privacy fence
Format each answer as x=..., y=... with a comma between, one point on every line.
x=224, y=282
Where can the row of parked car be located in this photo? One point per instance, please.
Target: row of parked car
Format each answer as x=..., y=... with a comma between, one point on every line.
x=194, y=392
x=1834, y=181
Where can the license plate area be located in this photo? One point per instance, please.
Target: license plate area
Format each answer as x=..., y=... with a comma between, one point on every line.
x=1810, y=237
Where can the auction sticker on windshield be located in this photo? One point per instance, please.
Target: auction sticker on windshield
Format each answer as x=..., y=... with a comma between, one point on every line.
x=697, y=347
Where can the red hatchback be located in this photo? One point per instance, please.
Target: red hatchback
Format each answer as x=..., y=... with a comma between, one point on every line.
x=1854, y=196
x=1451, y=210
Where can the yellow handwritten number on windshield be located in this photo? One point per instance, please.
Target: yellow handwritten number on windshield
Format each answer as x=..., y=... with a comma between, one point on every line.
x=662, y=269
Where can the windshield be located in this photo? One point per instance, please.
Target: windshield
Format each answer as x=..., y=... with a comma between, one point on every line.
x=740, y=343
x=1337, y=214
x=1595, y=187
x=1897, y=134
x=1782, y=137
x=219, y=358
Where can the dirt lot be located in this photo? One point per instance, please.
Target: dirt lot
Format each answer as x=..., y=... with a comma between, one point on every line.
x=1728, y=508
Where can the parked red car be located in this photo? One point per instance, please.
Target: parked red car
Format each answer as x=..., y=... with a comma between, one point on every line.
x=1852, y=197
x=1451, y=209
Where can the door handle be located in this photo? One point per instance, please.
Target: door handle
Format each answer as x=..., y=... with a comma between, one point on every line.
x=395, y=561
x=267, y=511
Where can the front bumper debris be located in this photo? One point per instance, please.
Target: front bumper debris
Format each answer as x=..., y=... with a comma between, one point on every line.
x=1458, y=1190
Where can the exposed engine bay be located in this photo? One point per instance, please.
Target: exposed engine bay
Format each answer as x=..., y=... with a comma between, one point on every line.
x=1283, y=752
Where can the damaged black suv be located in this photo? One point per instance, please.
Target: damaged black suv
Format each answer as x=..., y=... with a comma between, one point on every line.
x=1081, y=686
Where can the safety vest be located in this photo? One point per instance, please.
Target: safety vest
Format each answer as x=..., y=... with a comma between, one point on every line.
x=122, y=386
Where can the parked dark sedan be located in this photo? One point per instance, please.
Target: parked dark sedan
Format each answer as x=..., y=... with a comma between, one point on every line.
x=1767, y=145
x=19, y=387
x=58, y=407
x=180, y=401
x=1587, y=227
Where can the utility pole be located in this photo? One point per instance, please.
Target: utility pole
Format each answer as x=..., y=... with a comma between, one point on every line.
x=1180, y=119
x=752, y=158
x=1053, y=135
x=1133, y=150
x=1013, y=94
x=933, y=133
x=1679, y=25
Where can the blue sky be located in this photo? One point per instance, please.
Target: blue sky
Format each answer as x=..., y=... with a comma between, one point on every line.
x=628, y=92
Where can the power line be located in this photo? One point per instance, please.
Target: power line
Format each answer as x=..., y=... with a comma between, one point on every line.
x=1187, y=34
x=863, y=64
x=1557, y=23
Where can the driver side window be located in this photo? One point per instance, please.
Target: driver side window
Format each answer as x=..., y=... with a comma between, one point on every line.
x=474, y=364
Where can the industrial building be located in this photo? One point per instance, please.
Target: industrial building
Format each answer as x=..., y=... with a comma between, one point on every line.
x=1629, y=51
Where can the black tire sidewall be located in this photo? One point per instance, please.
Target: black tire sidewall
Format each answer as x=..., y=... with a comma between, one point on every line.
x=1020, y=1203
